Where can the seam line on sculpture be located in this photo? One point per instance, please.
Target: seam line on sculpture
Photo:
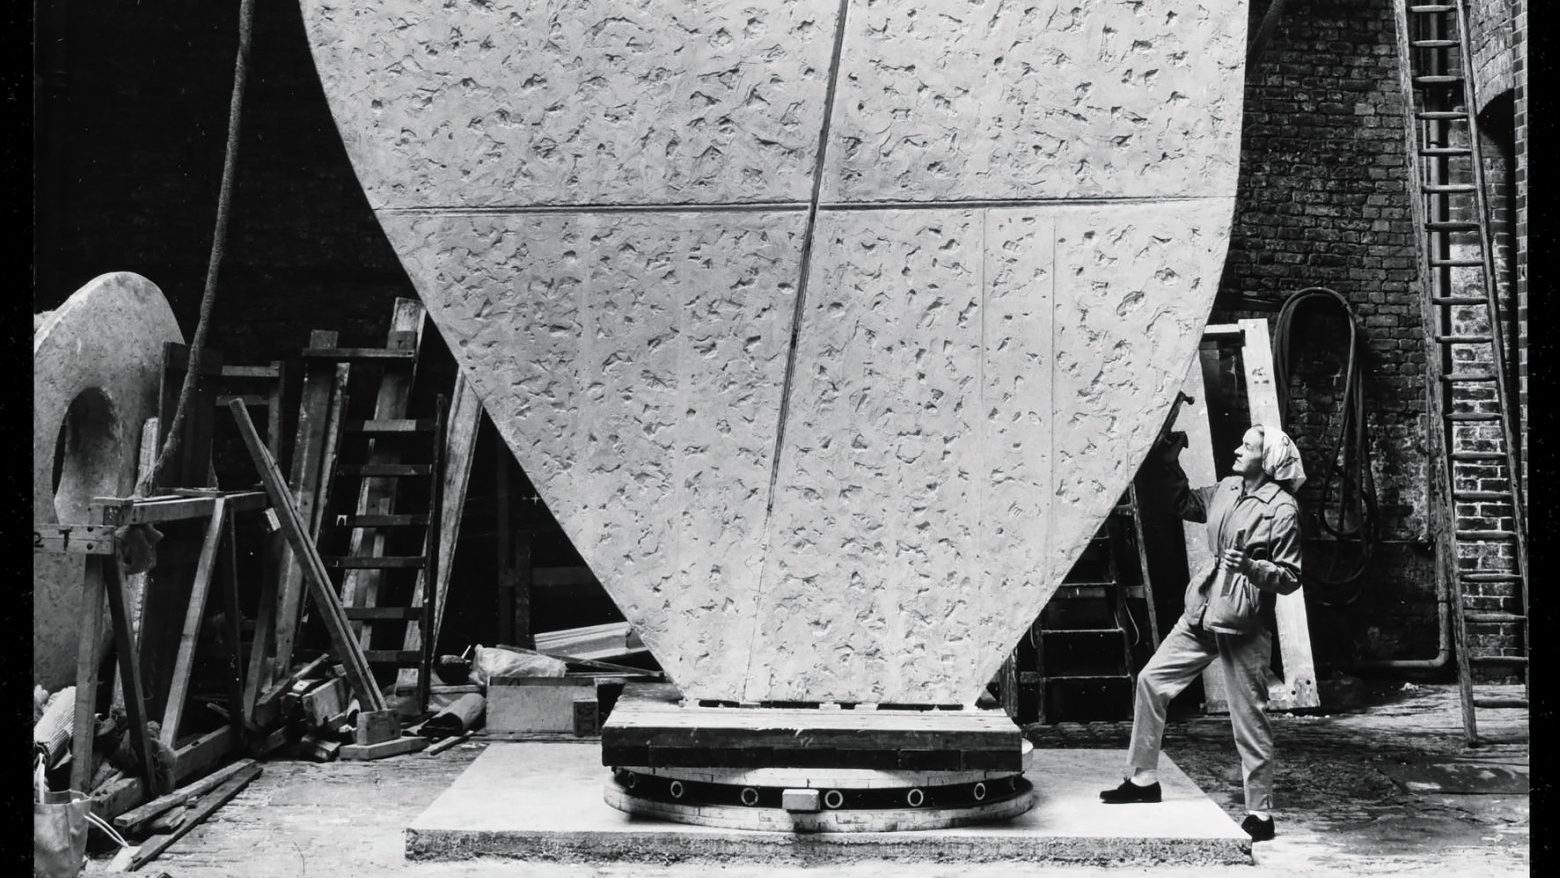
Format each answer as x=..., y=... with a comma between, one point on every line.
x=820, y=160
x=999, y=203
x=819, y=164
x=669, y=207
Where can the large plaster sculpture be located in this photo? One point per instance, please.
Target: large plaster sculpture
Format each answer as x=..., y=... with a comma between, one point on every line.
x=97, y=367
x=829, y=330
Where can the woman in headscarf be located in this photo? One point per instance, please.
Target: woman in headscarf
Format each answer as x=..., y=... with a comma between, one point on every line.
x=1254, y=534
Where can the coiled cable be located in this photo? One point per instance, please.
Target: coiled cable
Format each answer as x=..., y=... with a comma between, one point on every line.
x=1346, y=509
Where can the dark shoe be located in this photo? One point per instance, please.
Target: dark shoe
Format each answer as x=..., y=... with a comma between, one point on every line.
x=1130, y=792
x=1257, y=828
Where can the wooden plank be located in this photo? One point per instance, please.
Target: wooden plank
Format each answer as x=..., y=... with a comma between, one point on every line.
x=323, y=386
x=460, y=446
x=129, y=669
x=360, y=587
x=118, y=796
x=346, y=647
x=394, y=747
x=136, y=820
x=86, y=676
x=208, y=806
x=1294, y=632
x=503, y=531
x=376, y=727
x=73, y=539
x=119, y=511
x=195, y=614
x=1198, y=463
x=232, y=611
x=191, y=463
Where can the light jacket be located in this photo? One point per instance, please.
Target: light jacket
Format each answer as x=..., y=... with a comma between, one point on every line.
x=1265, y=522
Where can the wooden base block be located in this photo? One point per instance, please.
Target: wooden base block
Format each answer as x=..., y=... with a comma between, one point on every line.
x=365, y=752
x=650, y=726
x=536, y=704
x=377, y=726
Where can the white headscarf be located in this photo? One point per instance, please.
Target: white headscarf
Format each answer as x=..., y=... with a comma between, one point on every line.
x=1280, y=457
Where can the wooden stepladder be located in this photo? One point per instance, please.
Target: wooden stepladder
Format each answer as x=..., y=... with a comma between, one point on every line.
x=1474, y=447
x=1297, y=687
x=1077, y=661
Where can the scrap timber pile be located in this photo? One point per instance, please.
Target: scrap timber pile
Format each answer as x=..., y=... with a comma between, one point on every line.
x=321, y=645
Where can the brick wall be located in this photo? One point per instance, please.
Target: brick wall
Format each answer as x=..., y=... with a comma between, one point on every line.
x=1324, y=201
x=1490, y=31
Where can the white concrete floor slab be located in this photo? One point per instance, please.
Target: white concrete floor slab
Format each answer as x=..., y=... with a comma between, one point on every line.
x=543, y=801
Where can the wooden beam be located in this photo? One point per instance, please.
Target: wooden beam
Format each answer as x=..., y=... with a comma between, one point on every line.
x=129, y=669
x=84, y=724
x=324, y=386
x=460, y=444
x=194, y=615
x=136, y=820
x=208, y=805
x=73, y=539
x=1294, y=631
x=202, y=755
x=119, y=511
x=347, y=649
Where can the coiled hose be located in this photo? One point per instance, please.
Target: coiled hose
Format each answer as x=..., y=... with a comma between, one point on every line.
x=1346, y=510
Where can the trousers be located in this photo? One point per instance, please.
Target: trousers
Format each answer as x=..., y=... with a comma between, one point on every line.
x=1181, y=657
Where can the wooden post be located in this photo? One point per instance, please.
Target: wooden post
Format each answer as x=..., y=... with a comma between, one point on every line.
x=85, y=723
x=503, y=529
x=129, y=667
x=237, y=712
x=459, y=444
x=173, y=709
x=314, y=573
x=323, y=387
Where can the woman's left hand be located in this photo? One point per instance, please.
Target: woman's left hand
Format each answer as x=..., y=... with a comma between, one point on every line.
x=1235, y=559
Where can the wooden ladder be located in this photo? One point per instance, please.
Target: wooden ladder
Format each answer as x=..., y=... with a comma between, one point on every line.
x=1077, y=661
x=367, y=460
x=1474, y=447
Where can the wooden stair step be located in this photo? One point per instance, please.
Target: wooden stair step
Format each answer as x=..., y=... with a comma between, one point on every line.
x=1515, y=661
x=1473, y=417
x=1447, y=151
x=405, y=658
x=1469, y=377
x=381, y=470
x=1486, y=535
x=360, y=355
x=373, y=614
x=381, y=426
x=1433, y=44
x=1458, y=263
x=1474, y=456
x=1431, y=8
x=382, y=520
x=1491, y=577
x=1452, y=226
x=1496, y=618
x=1446, y=188
x=1481, y=495
x=1437, y=79
x=369, y=562
x=1500, y=702
x=1464, y=339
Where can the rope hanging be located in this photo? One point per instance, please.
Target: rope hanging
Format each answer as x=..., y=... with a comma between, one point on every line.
x=1347, y=507
x=170, y=444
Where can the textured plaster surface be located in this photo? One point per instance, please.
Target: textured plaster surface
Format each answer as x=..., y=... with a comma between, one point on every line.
x=960, y=100
x=978, y=365
x=103, y=345
x=509, y=103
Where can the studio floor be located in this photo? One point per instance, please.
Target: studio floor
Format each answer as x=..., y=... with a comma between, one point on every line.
x=1382, y=784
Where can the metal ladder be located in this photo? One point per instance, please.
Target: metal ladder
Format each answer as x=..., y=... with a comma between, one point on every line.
x=1476, y=439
